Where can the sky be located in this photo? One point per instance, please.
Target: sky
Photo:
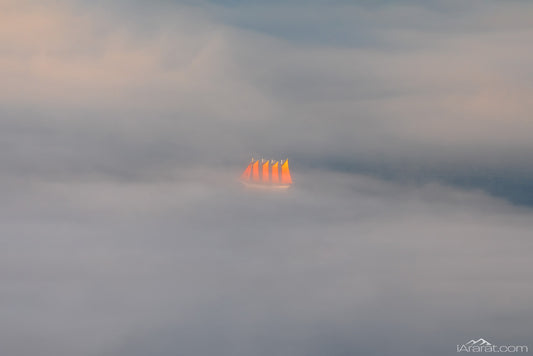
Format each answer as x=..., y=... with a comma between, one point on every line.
x=126, y=124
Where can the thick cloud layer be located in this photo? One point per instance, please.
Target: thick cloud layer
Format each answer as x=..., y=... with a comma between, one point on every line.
x=340, y=265
x=406, y=90
x=125, y=124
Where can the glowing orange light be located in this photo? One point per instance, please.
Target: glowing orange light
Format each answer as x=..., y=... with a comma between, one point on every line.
x=246, y=174
x=255, y=171
x=275, y=179
x=285, y=174
x=275, y=173
x=265, y=172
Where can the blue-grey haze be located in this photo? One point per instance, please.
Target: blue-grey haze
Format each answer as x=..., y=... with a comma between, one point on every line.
x=124, y=126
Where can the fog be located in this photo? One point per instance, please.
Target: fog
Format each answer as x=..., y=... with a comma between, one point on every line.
x=125, y=127
x=341, y=264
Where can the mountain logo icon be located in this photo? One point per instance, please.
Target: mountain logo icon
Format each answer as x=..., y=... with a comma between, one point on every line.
x=482, y=345
x=478, y=342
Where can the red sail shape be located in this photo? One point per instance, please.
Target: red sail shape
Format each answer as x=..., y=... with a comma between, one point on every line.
x=285, y=174
x=246, y=174
x=265, y=172
x=255, y=171
x=275, y=173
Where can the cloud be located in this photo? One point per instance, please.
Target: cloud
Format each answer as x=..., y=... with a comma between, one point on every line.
x=437, y=93
x=124, y=125
x=342, y=263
